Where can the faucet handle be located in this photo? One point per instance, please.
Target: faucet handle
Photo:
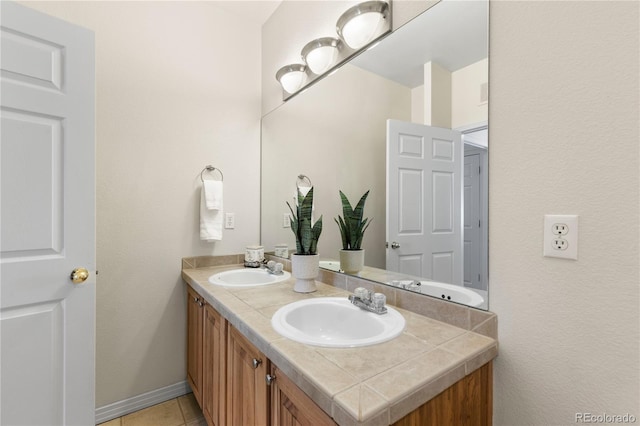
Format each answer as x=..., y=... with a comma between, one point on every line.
x=362, y=293
x=379, y=300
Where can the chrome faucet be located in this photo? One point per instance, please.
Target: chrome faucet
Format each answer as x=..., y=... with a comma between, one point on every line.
x=369, y=301
x=407, y=284
x=274, y=268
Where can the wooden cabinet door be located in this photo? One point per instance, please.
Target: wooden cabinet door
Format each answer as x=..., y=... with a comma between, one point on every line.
x=214, y=367
x=247, y=402
x=291, y=406
x=194, y=343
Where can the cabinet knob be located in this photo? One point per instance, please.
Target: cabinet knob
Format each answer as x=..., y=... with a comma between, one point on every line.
x=256, y=363
x=270, y=379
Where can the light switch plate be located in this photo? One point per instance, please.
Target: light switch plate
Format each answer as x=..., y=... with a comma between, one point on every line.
x=229, y=220
x=561, y=236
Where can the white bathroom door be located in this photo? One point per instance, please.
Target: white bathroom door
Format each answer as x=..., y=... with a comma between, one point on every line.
x=47, y=156
x=424, y=201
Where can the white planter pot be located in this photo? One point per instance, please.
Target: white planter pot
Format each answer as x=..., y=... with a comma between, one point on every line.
x=352, y=261
x=305, y=269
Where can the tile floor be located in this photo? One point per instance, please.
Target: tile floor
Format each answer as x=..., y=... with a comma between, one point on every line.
x=181, y=411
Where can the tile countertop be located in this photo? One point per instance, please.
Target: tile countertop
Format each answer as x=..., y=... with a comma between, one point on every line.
x=371, y=385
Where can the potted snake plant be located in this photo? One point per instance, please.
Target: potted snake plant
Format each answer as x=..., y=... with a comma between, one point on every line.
x=305, y=262
x=352, y=227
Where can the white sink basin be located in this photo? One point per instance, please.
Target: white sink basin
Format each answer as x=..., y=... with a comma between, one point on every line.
x=451, y=292
x=335, y=322
x=247, y=278
x=333, y=265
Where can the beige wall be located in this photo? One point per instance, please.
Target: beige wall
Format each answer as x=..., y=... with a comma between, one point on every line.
x=177, y=88
x=564, y=139
x=437, y=95
x=466, y=105
x=451, y=99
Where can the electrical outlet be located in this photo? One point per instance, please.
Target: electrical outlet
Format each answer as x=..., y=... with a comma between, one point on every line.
x=229, y=220
x=560, y=229
x=286, y=220
x=561, y=236
x=559, y=244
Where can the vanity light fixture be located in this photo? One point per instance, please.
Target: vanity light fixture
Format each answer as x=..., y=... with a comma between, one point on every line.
x=361, y=23
x=292, y=77
x=357, y=27
x=321, y=54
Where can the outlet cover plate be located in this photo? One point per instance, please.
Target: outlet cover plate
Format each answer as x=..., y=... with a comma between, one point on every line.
x=561, y=236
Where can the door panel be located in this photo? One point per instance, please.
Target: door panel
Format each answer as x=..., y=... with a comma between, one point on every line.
x=410, y=198
x=31, y=218
x=48, y=219
x=424, y=201
x=45, y=322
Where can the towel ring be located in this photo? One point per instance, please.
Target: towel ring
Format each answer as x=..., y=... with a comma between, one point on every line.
x=302, y=178
x=210, y=168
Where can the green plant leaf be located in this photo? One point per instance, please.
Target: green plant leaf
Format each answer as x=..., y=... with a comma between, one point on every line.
x=301, y=226
x=352, y=227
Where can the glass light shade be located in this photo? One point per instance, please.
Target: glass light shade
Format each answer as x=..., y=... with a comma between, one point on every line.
x=321, y=54
x=292, y=77
x=362, y=23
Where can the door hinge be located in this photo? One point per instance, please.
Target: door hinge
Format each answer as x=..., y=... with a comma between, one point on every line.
x=479, y=169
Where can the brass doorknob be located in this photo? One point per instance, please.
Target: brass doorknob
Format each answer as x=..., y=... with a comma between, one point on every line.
x=79, y=275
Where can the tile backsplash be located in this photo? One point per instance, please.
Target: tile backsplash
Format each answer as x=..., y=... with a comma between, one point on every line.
x=476, y=320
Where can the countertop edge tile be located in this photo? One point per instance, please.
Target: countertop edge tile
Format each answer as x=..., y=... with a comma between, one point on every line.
x=481, y=359
x=427, y=392
x=343, y=418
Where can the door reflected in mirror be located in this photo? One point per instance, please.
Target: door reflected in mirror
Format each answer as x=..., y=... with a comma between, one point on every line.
x=408, y=121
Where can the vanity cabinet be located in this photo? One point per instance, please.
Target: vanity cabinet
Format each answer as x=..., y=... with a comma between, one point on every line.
x=206, y=358
x=247, y=402
x=195, y=315
x=214, y=367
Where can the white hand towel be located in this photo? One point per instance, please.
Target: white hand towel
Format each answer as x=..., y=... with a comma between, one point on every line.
x=211, y=221
x=213, y=194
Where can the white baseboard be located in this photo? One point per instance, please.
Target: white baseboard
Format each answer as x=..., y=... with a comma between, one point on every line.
x=147, y=399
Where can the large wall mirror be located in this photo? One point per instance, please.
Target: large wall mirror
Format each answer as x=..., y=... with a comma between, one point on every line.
x=406, y=120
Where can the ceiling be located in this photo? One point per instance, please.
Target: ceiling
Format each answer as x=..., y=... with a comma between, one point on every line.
x=452, y=33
